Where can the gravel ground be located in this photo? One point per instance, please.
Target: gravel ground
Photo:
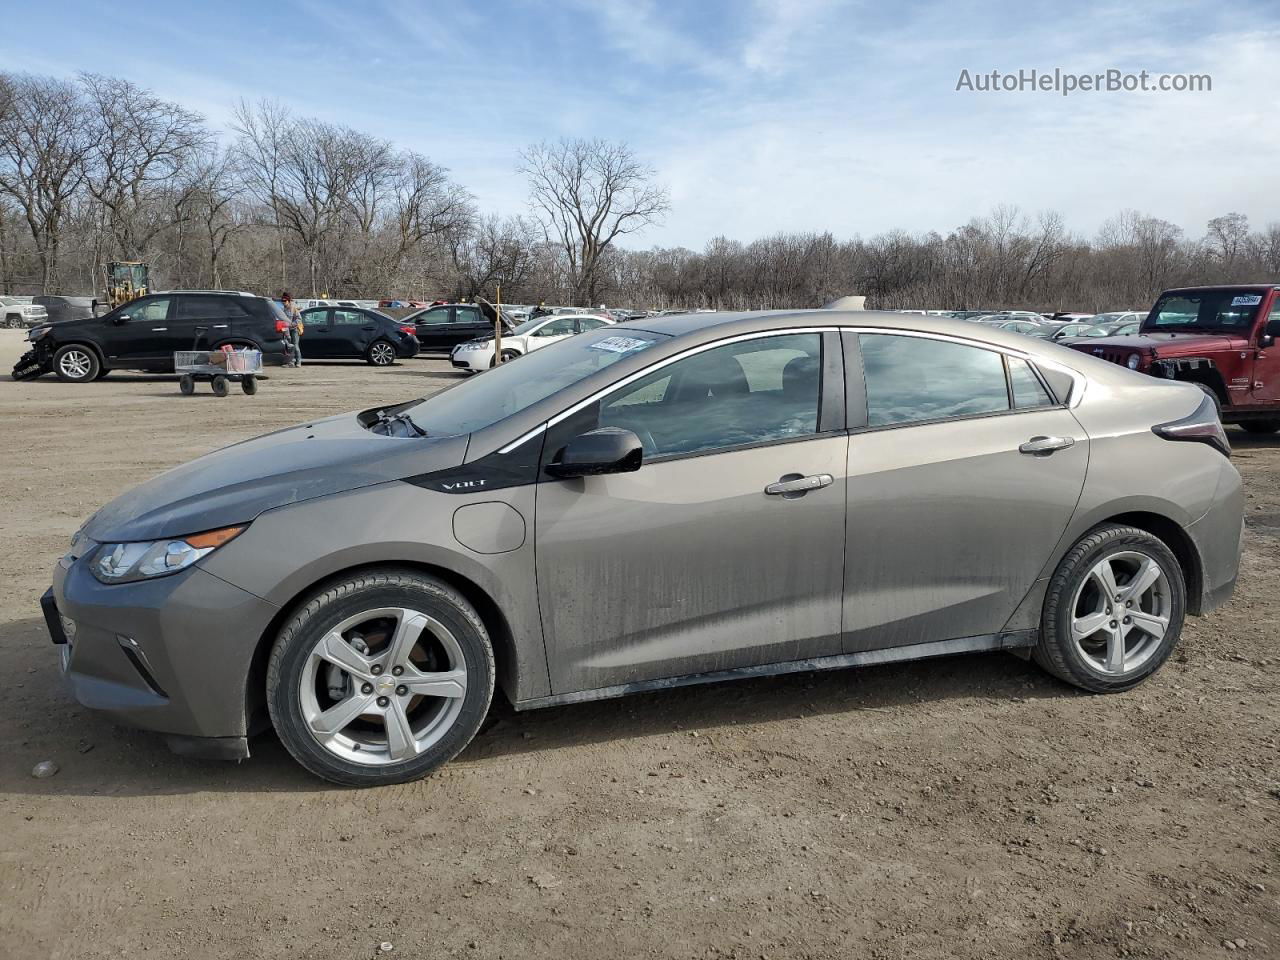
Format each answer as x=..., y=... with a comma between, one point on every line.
x=967, y=807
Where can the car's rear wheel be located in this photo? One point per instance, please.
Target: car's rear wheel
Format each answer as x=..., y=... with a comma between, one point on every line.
x=1260, y=426
x=381, y=354
x=380, y=678
x=1114, y=610
x=76, y=364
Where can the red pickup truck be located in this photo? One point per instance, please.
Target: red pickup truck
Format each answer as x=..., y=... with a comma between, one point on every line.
x=1222, y=338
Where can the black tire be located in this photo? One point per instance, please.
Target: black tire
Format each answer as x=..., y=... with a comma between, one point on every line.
x=1260, y=427
x=336, y=602
x=507, y=357
x=76, y=363
x=381, y=353
x=220, y=388
x=187, y=384
x=1058, y=653
x=249, y=385
x=102, y=374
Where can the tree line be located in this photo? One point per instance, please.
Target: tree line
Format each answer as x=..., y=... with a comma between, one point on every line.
x=95, y=168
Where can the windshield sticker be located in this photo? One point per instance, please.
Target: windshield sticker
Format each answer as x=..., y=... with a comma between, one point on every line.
x=619, y=344
x=1248, y=300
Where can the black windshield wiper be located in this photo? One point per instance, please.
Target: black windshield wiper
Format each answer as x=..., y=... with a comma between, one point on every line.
x=399, y=425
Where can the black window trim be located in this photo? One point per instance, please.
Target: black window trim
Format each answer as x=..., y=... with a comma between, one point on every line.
x=858, y=384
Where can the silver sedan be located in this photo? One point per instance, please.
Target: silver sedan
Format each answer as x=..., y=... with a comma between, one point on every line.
x=682, y=500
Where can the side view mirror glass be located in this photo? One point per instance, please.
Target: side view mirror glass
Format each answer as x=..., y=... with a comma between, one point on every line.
x=601, y=451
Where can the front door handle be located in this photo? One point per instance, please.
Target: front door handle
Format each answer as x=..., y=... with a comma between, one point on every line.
x=793, y=485
x=1043, y=446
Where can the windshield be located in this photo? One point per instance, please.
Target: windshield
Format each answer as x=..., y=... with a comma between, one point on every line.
x=529, y=326
x=1211, y=310
x=518, y=384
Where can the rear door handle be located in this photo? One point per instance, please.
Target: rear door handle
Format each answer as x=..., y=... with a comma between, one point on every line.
x=1043, y=446
x=793, y=485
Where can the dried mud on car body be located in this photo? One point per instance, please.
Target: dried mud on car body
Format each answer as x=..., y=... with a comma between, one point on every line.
x=966, y=807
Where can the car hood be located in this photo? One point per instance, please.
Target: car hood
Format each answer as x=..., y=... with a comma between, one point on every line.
x=1165, y=344
x=235, y=484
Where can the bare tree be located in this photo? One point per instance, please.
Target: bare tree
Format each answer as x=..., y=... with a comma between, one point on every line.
x=217, y=193
x=587, y=194
x=262, y=130
x=44, y=138
x=141, y=151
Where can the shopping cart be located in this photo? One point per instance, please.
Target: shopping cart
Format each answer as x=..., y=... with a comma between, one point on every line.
x=219, y=367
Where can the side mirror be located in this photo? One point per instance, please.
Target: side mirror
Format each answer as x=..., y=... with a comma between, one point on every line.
x=606, y=450
x=1270, y=331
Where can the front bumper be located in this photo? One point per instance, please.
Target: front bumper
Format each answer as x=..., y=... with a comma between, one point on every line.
x=172, y=655
x=467, y=357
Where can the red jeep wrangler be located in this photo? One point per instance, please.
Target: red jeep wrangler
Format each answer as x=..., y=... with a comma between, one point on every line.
x=1222, y=338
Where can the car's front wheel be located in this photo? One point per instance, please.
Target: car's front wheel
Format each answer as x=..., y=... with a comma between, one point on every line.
x=1113, y=611
x=76, y=364
x=380, y=678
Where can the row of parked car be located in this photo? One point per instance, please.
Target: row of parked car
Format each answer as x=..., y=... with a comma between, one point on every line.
x=145, y=333
x=1065, y=327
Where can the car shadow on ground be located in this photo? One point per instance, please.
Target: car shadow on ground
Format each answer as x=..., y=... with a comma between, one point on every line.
x=98, y=758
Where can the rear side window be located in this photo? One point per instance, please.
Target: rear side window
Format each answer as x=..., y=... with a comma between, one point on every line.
x=913, y=379
x=1028, y=391
x=209, y=308
x=349, y=318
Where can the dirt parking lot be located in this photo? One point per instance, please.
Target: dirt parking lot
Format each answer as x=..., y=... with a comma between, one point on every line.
x=959, y=808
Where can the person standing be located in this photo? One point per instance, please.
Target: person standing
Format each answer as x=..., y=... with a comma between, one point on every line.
x=295, y=328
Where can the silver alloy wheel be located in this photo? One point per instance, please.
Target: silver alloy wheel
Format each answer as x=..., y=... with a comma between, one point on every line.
x=75, y=364
x=382, y=353
x=387, y=700
x=1120, y=613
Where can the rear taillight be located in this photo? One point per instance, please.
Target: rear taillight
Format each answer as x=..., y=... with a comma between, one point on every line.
x=409, y=330
x=1203, y=426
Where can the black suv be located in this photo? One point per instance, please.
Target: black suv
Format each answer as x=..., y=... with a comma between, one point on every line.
x=144, y=334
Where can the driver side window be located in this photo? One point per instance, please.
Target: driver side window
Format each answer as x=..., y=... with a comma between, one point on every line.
x=745, y=393
x=155, y=310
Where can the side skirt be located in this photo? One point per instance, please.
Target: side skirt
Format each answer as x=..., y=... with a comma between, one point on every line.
x=1013, y=640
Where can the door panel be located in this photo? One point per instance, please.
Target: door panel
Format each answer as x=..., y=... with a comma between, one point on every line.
x=434, y=329
x=316, y=342
x=1266, y=365
x=949, y=524
x=143, y=339
x=469, y=323
x=353, y=332
x=687, y=566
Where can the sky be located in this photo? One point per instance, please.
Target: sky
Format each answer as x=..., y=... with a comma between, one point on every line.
x=758, y=115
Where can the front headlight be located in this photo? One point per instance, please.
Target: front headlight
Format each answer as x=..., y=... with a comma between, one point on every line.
x=142, y=560
x=35, y=333
x=1134, y=359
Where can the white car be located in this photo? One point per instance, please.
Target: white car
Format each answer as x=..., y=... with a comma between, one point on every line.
x=20, y=312
x=474, y=356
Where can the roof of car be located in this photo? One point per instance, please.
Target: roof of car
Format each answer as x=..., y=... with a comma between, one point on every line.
x=726, y=324
x=1225, y=286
